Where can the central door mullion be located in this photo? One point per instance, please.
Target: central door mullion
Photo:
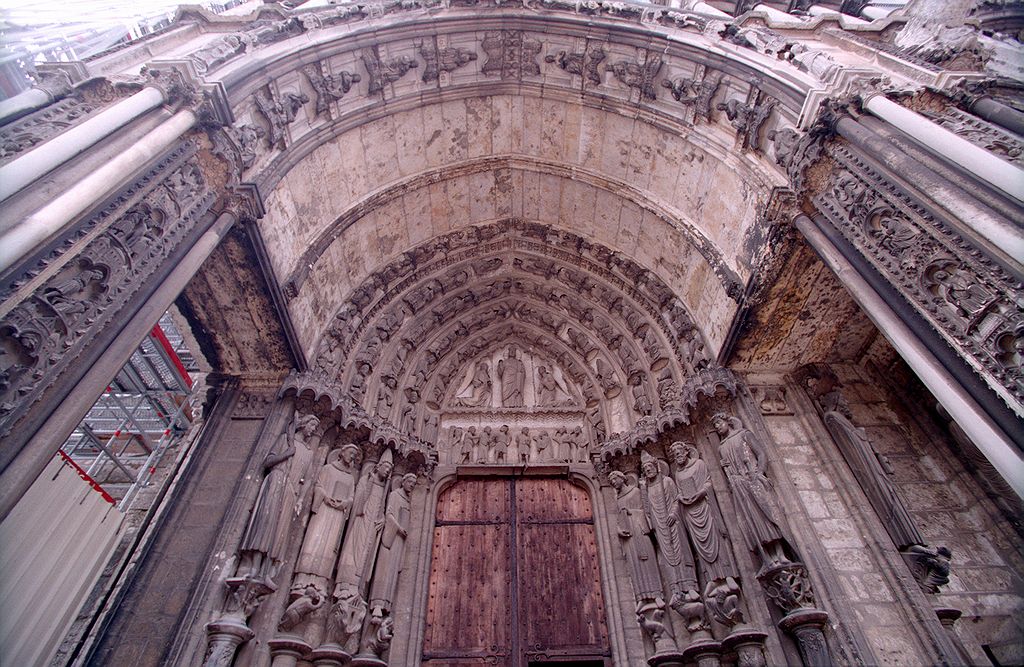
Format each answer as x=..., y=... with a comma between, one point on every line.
x=517, y=652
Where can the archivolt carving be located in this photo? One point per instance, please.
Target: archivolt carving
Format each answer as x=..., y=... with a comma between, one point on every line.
x=43, y=333
x=412, y=338
x=969, y=298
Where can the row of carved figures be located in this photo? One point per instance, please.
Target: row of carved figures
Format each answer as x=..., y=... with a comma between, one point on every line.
x=348, y=564
x=678, y=549
x=502, y=445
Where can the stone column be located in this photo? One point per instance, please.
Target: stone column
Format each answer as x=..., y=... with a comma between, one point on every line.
x=287, y=651
x=22, y=171
x=26, y=465
x=989, y=438
x=998, y=113
x=957, y=201
x=978, y=161
x=33, y=230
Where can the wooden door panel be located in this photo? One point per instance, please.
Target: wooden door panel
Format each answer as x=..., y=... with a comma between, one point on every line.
x=541, y=500
x=560, y=603
x=469, y=606
x=475, y=500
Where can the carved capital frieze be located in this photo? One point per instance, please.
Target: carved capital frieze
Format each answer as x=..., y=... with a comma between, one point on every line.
x=55, y=307
x=970, y=299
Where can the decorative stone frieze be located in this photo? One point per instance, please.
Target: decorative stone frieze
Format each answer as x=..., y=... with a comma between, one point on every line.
x=443, y=60
x=700, y=94
x=280, y=112
x=511, y=54
x=587, y=64
x=329, y=88
x=382, y=72
x=966, y=296
x=989, y=136
x=26, y=133
x=641, y=76
x=58, y=304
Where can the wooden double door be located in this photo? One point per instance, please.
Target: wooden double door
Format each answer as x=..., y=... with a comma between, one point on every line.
x=514, y=577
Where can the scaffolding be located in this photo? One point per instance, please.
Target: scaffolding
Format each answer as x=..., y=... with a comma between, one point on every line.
x=118, y=446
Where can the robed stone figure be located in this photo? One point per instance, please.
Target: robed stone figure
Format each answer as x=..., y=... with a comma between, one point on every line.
x=356, y=560
x=700, y=513
x=634, y=530
x=261, y=542
x=392, y=544
x=333, y=496
x=871, y=470
x=512, y=372
x=659, y=494
x=745, y=461
x=635, y=534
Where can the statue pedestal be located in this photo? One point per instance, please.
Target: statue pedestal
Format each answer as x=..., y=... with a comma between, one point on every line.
x=225, y=634
x=807, y=625
x=704, y=653
x=364, y=660
x=666, y=659
x=748, y=644
x=330, y=655
x=287, y=650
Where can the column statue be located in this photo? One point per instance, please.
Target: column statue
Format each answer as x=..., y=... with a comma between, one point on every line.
x=660, y=494
x=392, y=544
x=700, y=514
x=261, y=542
x=634, y=532
x=333, y=496
x=745, y=461
x=356, y=559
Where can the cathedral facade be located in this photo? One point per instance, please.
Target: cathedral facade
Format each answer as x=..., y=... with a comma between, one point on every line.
x=541, y=333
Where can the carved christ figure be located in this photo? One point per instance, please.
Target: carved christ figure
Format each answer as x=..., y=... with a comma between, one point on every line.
x=261, y=543
x=333, y=496
x=744, y=460
x=392, y=544
x=356, y=560
x=512, y=372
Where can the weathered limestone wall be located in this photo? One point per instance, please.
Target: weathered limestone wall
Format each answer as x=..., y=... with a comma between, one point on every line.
x=881, y=597
x=659, y=196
